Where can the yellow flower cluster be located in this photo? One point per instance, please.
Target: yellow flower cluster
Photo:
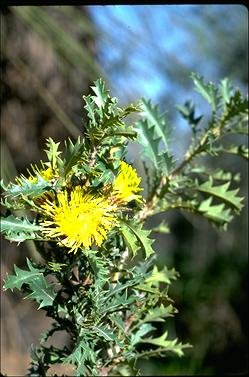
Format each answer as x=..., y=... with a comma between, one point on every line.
x=81, y=218
x=125, y=187
x=45, y=173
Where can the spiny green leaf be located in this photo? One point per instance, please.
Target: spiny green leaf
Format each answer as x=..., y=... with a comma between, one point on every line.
x=147, y=288
x=160, y=351
x=11, y=204
x=143, y=330
x=146, y=139
x=153, y=135
x=27, y=188
x=208, y=90
x=56, y=266
x=240, y=150
x=222, y=192
x=130, y=239
x=73, y=154
x=141, y=235
x=158, y=120
x=99, y=266
x=19, y=230
x=117, y=303
x=43, y=293
x=237, y=105
x=217, y=213
x=52, y=152
x=163, y=276
x=21, y=277
x=119, y=287
x=117, y=321
x=106, y=124
x=167, y=345
x=159, y=314
x=102, y=175
x=130, y=109
x=90, y=108
x=162, y=228
x=101, y=92
x=105, y=333
x=162, y=161
x=128, y=133
x=80, y=356
x=226, y=90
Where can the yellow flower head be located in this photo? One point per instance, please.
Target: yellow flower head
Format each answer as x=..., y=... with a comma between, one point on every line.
x=125, y=186
x=45, y=173
x=81, y=220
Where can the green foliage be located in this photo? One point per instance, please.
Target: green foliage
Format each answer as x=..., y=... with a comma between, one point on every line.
x=73, y=154
x=162, y=228
x=159, y=314
x=19, y=230
x=26, y=189
x=163, y=345
x=135, y=237
x=81, y=356
x=221, y=192
x=52, y=152
x=42, y=292
x=105, y=118
x=208, y=90
x=110, y=295
x=154, y=134
x=215, y=213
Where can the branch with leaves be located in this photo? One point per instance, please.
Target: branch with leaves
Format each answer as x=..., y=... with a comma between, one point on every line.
x=86, y=211
x=175, y=182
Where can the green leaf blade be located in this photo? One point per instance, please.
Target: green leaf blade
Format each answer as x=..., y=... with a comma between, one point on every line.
x=207, y=90
x=19, y=230
x=221, y=192
x=134, y=234
x=42, y=292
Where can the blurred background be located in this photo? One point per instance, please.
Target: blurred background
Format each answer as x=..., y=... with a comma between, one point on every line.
x=50, y=56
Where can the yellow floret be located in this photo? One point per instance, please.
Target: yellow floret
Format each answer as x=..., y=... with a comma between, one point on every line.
x=81, y=220
x=126, y=185
x=46, y=173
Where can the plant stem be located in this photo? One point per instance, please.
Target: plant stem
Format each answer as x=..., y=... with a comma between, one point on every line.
x=160, y=190
x=190, y=155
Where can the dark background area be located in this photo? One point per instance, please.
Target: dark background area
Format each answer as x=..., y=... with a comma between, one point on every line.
x=49, y=58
